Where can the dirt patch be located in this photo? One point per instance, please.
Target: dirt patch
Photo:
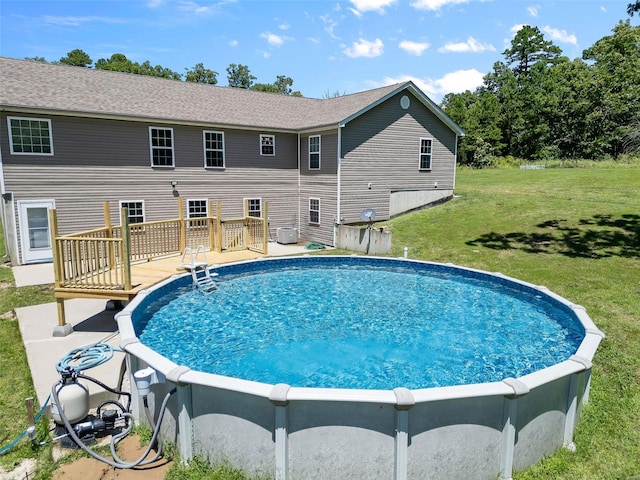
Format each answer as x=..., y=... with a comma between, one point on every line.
x=130, y=450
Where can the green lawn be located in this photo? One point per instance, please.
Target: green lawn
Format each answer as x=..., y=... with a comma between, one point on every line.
x=577, y=231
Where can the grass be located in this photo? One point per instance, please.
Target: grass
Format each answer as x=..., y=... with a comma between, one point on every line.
x=15, y=381
x=575, y=230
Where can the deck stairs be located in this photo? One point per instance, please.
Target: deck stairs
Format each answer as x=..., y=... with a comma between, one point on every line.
x=196, y=263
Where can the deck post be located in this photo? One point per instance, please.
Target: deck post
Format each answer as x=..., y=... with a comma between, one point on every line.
x=109, y=233
x=210, y=225
x=126, y=249
x=245, y=228
x=183, y=229
x=63, y=328
x=219, y=227
x=265, y=229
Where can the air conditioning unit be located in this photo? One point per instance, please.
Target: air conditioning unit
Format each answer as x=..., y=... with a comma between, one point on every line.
x=287, y=235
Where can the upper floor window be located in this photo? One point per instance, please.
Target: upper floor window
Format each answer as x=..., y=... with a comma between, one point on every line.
x=30, y=136
x=197, y=208
x=267, y=145
x=213, y=149
x=426, y=148
x=161, y=144
x=314, y=211
x=314, y=152
x=135, y=210
x=254, y=207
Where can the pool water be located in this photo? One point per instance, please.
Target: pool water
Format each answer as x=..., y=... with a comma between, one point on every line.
x=347, y=326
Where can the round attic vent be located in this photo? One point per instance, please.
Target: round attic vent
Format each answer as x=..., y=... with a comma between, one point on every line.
x=405, y=102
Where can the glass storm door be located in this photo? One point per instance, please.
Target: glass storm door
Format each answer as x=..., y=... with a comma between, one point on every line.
x=34, y=230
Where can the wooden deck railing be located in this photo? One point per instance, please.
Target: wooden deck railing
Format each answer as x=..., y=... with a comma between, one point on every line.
x=100, y=259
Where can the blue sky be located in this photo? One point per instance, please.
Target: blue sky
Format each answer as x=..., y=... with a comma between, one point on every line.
x=325, y=46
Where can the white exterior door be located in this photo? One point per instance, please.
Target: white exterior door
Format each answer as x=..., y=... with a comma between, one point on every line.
x=35, y=234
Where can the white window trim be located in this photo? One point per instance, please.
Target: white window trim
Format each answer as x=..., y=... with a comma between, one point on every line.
x=420, y=167
x=144, y=213
x=206, y=203
x=205, y=149
x=11, y=150
x=273, y=141
x=246, y=199
x=319, y=152
x=151, y=147
x=319, y=211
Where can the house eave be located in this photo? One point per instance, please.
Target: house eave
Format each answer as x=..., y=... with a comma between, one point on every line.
x=141, y=119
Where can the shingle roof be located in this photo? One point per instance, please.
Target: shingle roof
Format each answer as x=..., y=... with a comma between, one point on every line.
x=83, y=91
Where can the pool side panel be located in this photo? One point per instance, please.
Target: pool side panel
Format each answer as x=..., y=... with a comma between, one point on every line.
x=235, y=428
x=456, y=439
x=343, y=440
x=540, y=421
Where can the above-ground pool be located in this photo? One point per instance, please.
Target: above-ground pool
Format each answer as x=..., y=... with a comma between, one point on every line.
x=358, y=367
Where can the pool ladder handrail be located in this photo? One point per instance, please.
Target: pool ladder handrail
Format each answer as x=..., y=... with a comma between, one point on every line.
x=194, y=258
x=199, y=269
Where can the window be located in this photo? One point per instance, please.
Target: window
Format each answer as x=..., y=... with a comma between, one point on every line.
x=161, y=143
x=135, y=210
x=254, y=207
x=197, y=208
x=426, y=145
x=267, y=145
x=314, y=211
x=30, y=136
x=213, y=149
x=314, y=152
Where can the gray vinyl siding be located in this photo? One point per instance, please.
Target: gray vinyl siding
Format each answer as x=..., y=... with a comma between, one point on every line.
x=320, y=184
x=105, y=160
x=381, y=147
x=99, y=142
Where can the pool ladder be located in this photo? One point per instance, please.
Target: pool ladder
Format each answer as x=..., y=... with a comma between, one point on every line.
x=202, y=279
x=199, y=269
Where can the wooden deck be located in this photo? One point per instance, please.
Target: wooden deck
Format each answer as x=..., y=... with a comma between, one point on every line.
x=147, y=274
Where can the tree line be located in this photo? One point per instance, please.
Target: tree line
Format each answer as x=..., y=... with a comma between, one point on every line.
x=238, y=75
x=537, y=104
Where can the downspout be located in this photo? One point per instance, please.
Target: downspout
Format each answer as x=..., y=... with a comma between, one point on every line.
x=338, y=185
x=299, y=189
x=455, y=164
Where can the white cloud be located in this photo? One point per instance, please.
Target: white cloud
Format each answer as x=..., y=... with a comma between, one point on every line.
x=314, y=40
x=560, y=35
x=365, y=48
x=414, y=48
x=453, y=82
x=232, y=43
x=329, y=26
x=517, y=27
x=533, y=11
x=471, y=45
x=154, y=3
x=370, y=6
x=284, y=26
x=273, y=39
x=434, y=4
x=70, y=21
x=195, y=7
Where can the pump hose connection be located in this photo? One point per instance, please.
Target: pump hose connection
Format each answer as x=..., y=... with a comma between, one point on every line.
x=70, y=368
